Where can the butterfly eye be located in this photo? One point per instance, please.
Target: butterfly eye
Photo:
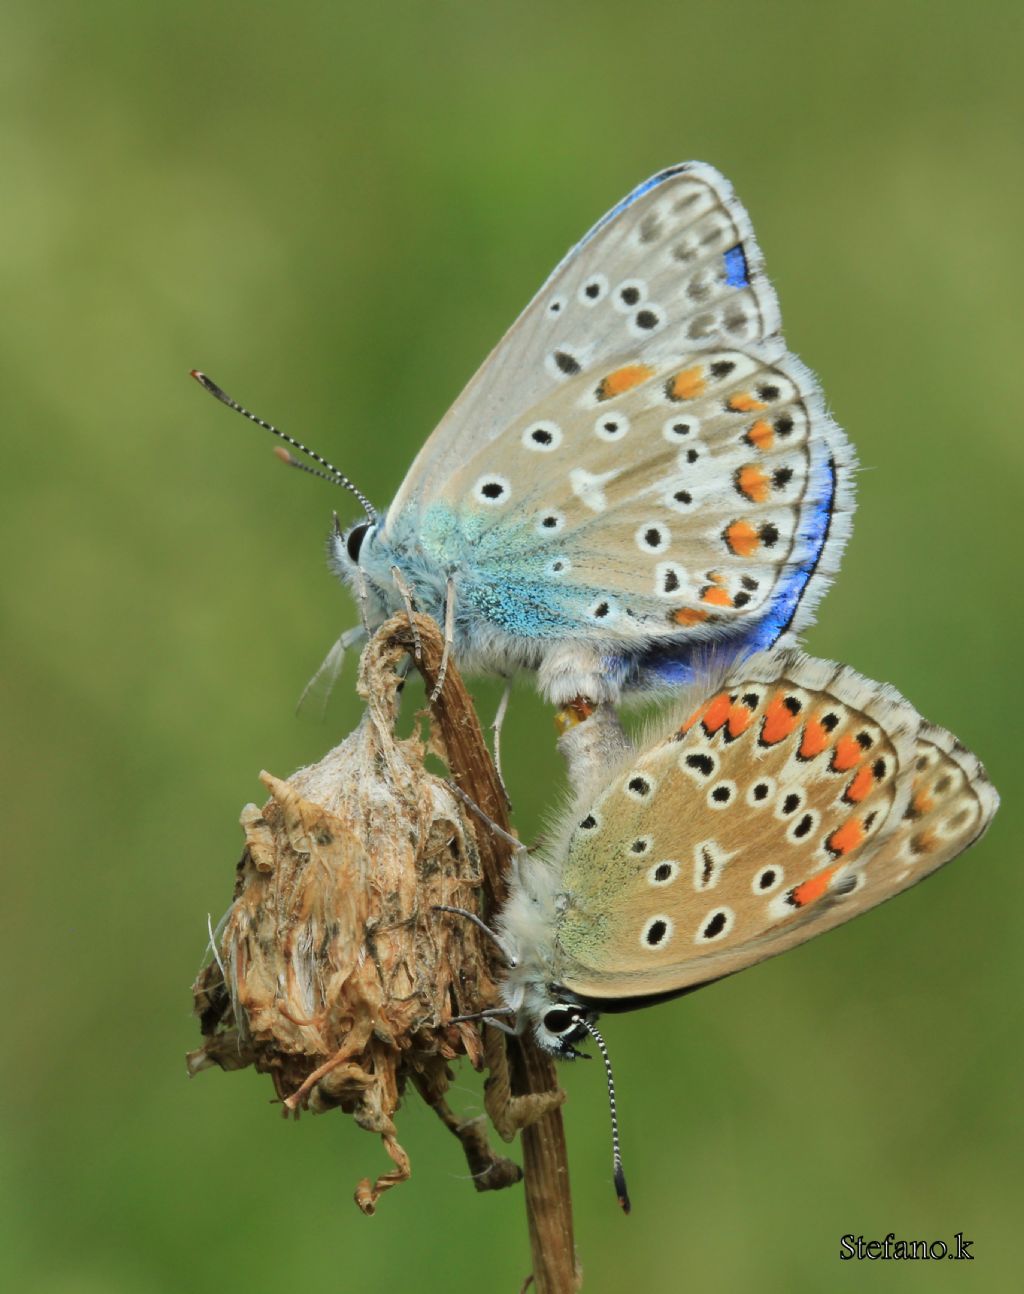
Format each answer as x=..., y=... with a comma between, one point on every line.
x=354, y=542
x=559, y=1020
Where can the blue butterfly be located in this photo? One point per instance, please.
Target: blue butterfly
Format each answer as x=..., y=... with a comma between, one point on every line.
x=639, y=473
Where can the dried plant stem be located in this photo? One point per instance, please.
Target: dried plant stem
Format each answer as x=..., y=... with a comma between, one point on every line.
x=532, y=1071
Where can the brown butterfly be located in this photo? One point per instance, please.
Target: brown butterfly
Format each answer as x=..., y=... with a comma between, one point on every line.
x=793, y=797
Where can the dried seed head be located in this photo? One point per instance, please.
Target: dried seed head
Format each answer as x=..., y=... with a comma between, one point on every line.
x=334, y=974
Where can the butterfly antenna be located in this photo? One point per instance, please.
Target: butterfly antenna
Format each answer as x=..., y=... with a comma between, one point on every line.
x=331, y=474
x=618, y=1175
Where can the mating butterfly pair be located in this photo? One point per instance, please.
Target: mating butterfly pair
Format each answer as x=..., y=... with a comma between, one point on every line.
x=640, y=477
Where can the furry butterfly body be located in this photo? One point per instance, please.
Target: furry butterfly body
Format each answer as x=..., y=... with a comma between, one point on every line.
x=638, y=470
x=791, y=799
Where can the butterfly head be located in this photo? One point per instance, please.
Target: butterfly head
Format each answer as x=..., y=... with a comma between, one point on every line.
x=558, y=1025
x=346, y=545
x=356, y=556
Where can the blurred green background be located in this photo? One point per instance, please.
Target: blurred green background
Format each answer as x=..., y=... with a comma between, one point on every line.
x=335, y=209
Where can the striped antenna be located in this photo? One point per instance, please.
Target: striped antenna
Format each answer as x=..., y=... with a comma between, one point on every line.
x=331, y=473
x=618, y=1176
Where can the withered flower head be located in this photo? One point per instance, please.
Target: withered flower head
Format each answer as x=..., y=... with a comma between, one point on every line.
x=333, y=973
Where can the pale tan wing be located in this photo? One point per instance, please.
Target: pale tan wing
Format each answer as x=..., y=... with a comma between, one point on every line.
x=659, y=251
x=951, y=805
x=790, y=801
x=664, y=492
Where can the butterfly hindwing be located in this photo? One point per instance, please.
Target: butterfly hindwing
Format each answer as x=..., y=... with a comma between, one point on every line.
x=670, y=242
x=640, y=463
x=794, y=797
x=696, y=503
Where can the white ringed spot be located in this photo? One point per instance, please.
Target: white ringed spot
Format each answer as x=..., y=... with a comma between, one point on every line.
x=542, y=437
x=550, y=522
x=648, y=320
x=716, y=925
x=709, y=859
x=602, y=611
x=767, y=879
x=669, y=578
x=721, y=795
x=611, y=426
x=592, y=289
x=678, y=499
x=657, y=932
x=663, y=873
x=679, y=429
x=760, y=792
x=653, y=537
x=492, y=490
x=629, y=294
x=640, y=786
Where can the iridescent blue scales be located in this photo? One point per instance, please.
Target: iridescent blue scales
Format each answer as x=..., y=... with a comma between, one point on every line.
x=639, y=472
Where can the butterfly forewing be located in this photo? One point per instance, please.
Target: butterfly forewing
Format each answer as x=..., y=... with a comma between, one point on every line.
x=789, y=801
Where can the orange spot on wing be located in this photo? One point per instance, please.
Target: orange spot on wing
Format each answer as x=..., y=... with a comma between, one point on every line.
x=745, y=404
x=761, y=435
x=753, y=483
x=687, y=384
x=691, y=721
x=779, y=721
x=623, y=379
x=863, y=781
x=689, y=616
x=716, y=596
x=924, y=842
x=739, y=719
x=921, y=804
x=742, y=538
x=847, y=754
x=845, y=838
x=813, y=888
x=815, y=739
x=717, y=713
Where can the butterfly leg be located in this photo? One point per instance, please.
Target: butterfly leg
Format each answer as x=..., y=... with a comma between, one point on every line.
x=410, y=610
x=449, y=637
x=321, y=685
x=363, y=598
x=474, y=808
x=510, y=1114
x=496, y=726
x=491, y=934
